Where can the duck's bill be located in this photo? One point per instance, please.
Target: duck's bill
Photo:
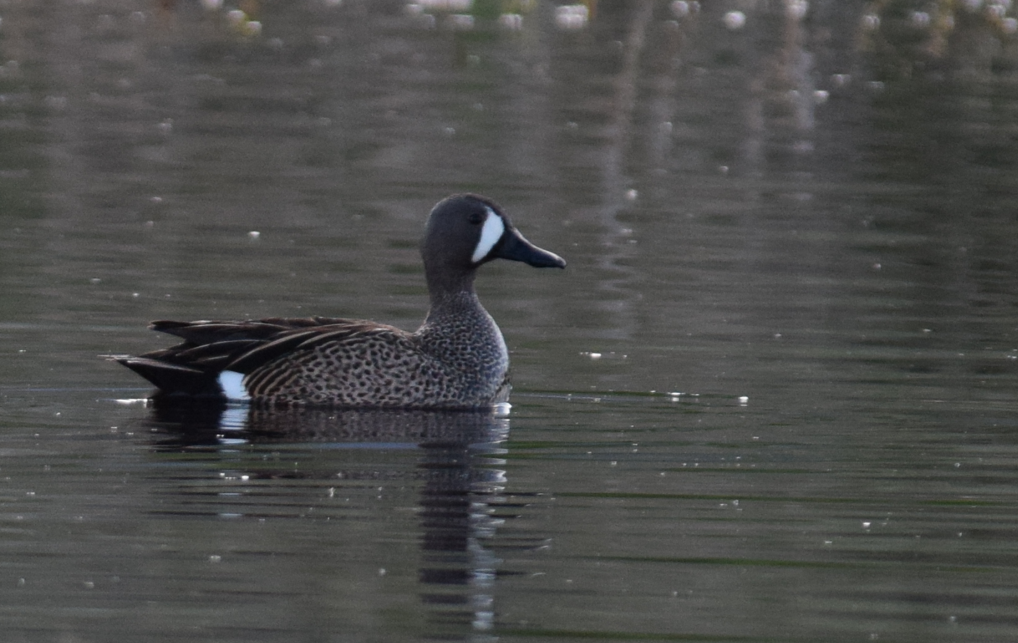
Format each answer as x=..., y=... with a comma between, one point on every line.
x=516, y=248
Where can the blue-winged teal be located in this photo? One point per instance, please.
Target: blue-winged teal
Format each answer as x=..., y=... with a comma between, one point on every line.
x=456, y=359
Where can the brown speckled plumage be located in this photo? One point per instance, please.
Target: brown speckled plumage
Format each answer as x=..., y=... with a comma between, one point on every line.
x=456, y=359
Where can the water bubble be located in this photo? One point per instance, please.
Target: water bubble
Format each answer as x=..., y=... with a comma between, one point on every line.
x=796, y=9
x=511, y=21
x=735, y=20
x=571, y=16
x=461, y=21
x=55, y=102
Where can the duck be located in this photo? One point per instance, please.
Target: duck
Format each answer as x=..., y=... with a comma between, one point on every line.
x=457, y=359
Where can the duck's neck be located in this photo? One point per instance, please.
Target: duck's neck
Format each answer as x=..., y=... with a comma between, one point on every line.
x=460, y=333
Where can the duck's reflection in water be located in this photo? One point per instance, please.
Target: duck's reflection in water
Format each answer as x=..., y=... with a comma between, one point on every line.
x=459, y=470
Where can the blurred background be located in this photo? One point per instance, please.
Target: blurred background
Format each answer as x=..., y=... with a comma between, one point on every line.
x=772, y=397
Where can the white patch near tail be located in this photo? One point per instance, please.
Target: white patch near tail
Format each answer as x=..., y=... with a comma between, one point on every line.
x=494, y=228
x=232, y=384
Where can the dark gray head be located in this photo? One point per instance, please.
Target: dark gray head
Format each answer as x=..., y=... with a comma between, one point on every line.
x=467, y=230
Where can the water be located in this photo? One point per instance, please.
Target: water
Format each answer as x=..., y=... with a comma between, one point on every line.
x=770, y=399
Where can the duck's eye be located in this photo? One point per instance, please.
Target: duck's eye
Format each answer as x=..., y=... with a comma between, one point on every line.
x=476, y=218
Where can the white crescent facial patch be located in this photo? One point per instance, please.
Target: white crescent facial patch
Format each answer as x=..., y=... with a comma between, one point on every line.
x=492, y=231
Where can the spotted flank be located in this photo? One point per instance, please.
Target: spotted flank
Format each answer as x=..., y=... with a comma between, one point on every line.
x=457, y=359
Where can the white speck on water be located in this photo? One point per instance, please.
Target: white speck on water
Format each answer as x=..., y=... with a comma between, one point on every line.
x=680, y=8
x=735, y=20
x=796, y=9
x=743, y=400
x=920, y=19
x=866, y=524
x=128, y=401
x=571, y=16
x=381, y=571
x=461, y=21
x=631, y=195
x=595, y=355
x=254, y=234
x=511, y=21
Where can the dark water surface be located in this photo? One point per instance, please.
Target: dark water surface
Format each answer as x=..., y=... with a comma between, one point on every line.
x=772, y=398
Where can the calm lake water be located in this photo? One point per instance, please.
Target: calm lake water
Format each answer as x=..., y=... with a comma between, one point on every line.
x=772, y=398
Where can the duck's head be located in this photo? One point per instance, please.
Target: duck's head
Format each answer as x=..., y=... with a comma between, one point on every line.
x=467, y=230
